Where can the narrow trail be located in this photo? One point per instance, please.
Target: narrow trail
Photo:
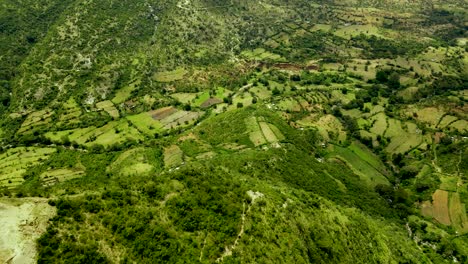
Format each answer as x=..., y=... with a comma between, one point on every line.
x=229, y=249
x=203, y=248
x=459, y=175
x=434, y=160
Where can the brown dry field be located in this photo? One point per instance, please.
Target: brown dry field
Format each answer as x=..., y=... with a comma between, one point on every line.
x=163, y=112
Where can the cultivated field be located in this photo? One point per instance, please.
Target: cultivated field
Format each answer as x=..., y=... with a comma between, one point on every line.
x=173, y=156
x=15, y=162
x=109, y=134
x=440, y=207
x=403, y=136
x=330, y=128
x=71, y=112
x=109, y=107
x=362, y=163
x=146, y=124
x=171, y=118
x=131, y=162
x=261, y=133
x=36, y=119
x=124, y=93
x=458, y=213
x=261, y=54
x=447, y=209
x=52, y=177
x=170, y=76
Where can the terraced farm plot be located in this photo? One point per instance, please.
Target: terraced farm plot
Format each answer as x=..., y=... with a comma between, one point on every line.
x=458, y=215
x=408, y=93
x=109, y=134
x=464, y=94
x=402, y=140
x=322, y=27
x=181, y=118
x=362, y=123
x=137, y=169
x=376, y=109
x=394, y=128
x=360, y=166
x=267, y=132
x=146, y=124
x=261, y=133
x=356, y=30
x=185, y=98
x=124, y=93
x=162, y=113
x=201, y=98
x=344, y=98
x=354, y=113
x=440, y=207
x=109, y=107
x=15, y=162
x=170, y=76
x=206, y=155
x=36, y=119
x=289, y=104
x=366, y=134
x=447, y=209
x=133, y=162
x=460, y=125
x=404, y=143
x=448, y=183
x=210, y=102
x=261, y=54
x=114, y=132
x=52, y=177
x=368, y=156
x=380, y=124
x=74, y=135
x=71, y=113
x=430, y=115
x=173, y=156
x=447, y=120
x=329, y=126
x=244, y=98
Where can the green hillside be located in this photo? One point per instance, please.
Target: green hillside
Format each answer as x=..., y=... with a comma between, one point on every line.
x=207, y=131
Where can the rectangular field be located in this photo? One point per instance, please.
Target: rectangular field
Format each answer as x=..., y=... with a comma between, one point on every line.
x=458, y=213
x=440, y=207
x=170, y=76
x=268, y=133
x=362, y=168
x=145, y=123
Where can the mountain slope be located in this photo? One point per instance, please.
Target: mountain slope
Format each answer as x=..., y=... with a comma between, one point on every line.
x=238, y=131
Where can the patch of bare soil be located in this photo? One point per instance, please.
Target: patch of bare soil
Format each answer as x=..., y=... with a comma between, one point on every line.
x=163, y=113
x=22, y=221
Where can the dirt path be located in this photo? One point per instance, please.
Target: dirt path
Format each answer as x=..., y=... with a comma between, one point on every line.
x=459, y=174
x=228, y=251
x=434, y=160
x=22, y=221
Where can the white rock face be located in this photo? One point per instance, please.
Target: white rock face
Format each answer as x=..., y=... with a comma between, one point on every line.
x=21, y=223
x=255, y=195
